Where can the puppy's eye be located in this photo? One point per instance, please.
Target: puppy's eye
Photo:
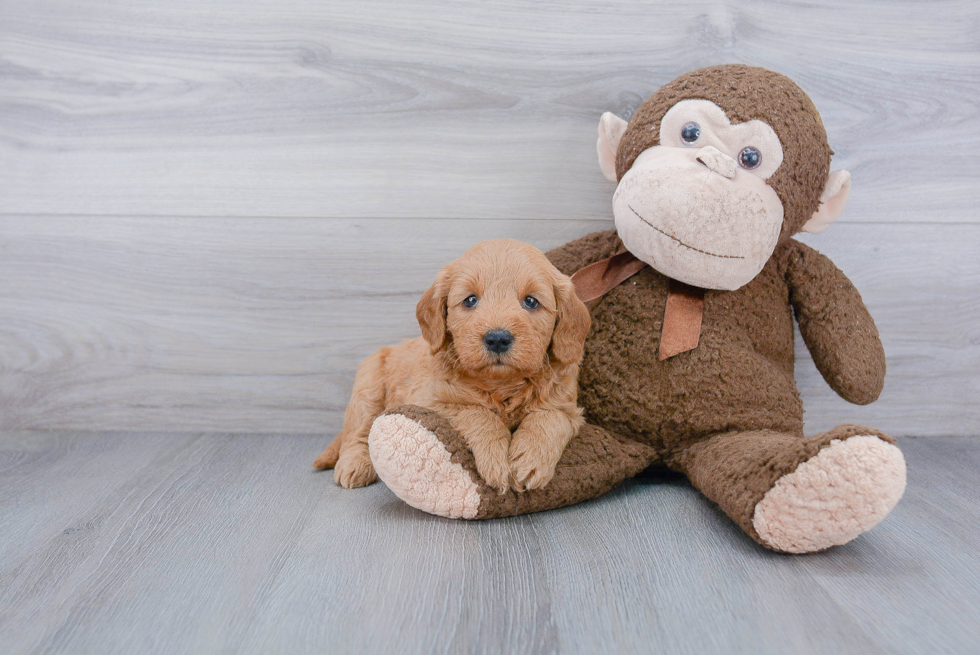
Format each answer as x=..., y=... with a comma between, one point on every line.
x=530, y=302
x=470, y=301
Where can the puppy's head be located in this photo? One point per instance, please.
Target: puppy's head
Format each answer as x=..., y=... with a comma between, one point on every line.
x=505, y=311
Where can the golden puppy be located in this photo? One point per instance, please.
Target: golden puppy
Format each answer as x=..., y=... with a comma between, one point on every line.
x=502, y=336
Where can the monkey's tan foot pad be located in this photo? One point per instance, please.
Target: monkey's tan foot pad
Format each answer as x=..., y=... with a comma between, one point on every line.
x=425, y=462
x=419, y=468
x=846, y=489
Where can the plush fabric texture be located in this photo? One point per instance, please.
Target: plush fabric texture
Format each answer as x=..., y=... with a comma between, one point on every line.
x=718, y=132
x=736, y=470
x=411, y=460
x=727, y=414
x=747, y=93
x=696, y=226
x=593, y=463
x=596, y=280
x=721, y=386
x=740, y=377
x=682, y=320
x=846, y=489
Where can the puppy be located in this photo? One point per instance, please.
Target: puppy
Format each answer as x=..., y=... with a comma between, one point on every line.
x=502, y=336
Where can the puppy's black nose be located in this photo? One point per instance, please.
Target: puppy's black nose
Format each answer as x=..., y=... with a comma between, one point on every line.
x=498, y=341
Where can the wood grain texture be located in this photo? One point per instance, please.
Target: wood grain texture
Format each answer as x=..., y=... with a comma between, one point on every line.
x=209, y=213
x=231, y=543
x=449, y=109
x=79, y=471
x=259, y=324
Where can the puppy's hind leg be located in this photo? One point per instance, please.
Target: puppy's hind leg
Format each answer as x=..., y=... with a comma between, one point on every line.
x=348, y=453
x=328, y=458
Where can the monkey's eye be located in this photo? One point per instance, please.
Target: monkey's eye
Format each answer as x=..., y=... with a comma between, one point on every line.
x=749, y=158
x=530, y=302
x=690, y=133
x=470, y=301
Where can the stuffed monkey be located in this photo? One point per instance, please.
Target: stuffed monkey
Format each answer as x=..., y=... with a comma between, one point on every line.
x=689, y=362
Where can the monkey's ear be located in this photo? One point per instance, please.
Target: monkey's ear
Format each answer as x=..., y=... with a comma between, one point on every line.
x=832, y=202
x=431, y=311
x=611, y=128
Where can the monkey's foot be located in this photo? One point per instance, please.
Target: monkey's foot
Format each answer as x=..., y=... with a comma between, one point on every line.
x=846, y=489
x=417, y=466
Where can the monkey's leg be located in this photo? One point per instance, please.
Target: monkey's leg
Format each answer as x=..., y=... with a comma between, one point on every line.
x=425, y=462
x=799, y=495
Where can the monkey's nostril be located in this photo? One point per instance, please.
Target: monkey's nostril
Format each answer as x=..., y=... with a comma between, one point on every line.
x=498, y=341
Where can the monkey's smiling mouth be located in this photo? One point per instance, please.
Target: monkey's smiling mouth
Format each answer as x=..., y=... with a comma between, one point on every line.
x=671, y=236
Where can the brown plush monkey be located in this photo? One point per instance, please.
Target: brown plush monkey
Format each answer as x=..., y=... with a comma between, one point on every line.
x=689, y=363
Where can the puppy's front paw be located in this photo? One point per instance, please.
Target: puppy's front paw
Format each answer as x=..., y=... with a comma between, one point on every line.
x=354, y=469
x=494, y=469
x=532, y=463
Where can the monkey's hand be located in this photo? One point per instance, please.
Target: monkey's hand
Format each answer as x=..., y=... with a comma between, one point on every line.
x=836, y=326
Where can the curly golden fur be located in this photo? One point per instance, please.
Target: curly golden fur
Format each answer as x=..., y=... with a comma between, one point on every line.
x=517, y=410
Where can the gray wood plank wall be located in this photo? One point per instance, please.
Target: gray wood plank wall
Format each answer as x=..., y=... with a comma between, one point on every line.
x=210, y=213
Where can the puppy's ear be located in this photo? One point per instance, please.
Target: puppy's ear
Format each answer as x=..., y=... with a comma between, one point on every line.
x=571, y=324
x=431, y=311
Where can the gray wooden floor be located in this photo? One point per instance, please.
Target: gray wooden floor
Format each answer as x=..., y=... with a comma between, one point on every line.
x=167, y=543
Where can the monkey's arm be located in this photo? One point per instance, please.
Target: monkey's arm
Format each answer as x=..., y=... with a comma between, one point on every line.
x=836, y=326
x=586, y=250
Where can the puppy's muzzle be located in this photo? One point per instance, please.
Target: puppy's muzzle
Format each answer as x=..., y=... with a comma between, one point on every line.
x=498, y=341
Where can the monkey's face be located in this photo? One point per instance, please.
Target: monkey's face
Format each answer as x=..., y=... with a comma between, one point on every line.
x=716, y=169
x=697, y=207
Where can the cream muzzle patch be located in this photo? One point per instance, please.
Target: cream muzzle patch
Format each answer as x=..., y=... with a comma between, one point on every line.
x=697, y=208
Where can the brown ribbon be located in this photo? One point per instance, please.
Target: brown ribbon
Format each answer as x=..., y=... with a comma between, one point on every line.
x=596, y=280
x=682, y=319
x=682, y=314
